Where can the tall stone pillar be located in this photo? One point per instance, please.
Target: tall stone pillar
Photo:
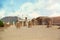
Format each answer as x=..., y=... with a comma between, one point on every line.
x=26, y=21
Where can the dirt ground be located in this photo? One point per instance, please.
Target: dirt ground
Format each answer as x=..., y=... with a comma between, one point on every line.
x=38, y=32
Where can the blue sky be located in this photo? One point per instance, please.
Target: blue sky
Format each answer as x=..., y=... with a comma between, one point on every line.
x=30, y=8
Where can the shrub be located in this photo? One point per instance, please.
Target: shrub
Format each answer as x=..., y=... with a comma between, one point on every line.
x=1, y=24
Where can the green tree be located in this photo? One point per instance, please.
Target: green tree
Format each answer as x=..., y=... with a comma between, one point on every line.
x=1, y=24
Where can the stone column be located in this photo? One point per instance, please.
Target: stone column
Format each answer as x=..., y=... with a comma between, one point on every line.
x=22, y=22
x=13, y=23
x=26, y=21
x=29, y=24
x=49, y=22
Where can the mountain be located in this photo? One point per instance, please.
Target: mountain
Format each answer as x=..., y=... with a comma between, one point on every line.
x=10, y=19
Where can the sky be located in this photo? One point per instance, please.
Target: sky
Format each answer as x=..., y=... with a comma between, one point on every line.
x=29, y=8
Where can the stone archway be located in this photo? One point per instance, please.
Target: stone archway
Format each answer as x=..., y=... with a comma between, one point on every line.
x=30, y=24
x=48, y=22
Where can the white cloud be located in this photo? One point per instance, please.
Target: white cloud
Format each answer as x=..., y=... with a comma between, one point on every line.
x=53, y=6
x=12, y=14
x=27, y=7
x=2, y=13
x=55, y=14
x=34, y=15
x=50, y=5
x=32, y=9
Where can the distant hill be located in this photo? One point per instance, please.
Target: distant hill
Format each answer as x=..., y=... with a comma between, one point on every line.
x=10, y=19
x=56, y=20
